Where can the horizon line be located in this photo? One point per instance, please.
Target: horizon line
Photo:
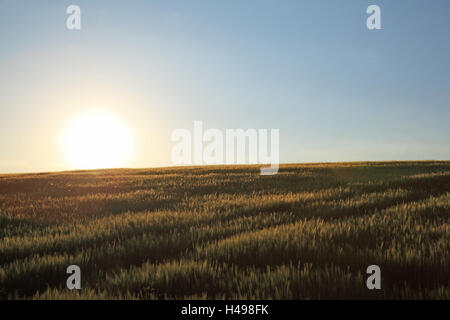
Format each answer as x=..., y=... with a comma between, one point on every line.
x=220, y=165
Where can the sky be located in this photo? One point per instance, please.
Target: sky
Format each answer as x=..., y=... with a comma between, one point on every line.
x=310, y=68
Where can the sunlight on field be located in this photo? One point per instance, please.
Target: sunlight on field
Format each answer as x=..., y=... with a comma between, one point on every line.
x=308, y=232
x=96, y=140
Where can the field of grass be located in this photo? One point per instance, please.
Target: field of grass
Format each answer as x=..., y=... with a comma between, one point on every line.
x=308, y=232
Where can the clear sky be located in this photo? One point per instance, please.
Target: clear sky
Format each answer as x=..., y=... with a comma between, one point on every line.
x=336, y=90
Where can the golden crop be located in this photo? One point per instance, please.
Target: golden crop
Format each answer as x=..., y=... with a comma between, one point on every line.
x=226, y=232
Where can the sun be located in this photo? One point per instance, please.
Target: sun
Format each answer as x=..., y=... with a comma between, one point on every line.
x=96, y=140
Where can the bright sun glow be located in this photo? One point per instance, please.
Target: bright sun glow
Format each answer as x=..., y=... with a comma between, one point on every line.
x=96, y=140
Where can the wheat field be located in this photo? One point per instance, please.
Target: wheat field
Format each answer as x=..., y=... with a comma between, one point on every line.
x=226, y=232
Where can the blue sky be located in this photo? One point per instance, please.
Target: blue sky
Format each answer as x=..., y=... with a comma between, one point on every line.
x=336, y=91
